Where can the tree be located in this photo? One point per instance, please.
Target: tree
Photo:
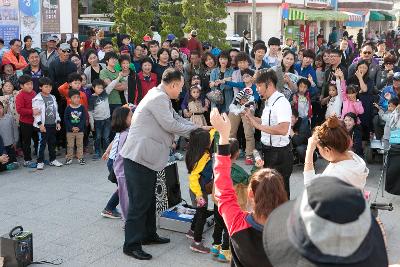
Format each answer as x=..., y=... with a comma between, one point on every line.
x=103, y=7
x=133, y=17
x=171, y=17
x=205, y=17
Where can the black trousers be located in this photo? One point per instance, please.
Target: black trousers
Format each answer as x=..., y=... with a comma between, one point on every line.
x=48, y=138
x=27, y=134
x=281, y=159
x=220, y=235
x=199, y=219
x=141, y=220
x=12, y=156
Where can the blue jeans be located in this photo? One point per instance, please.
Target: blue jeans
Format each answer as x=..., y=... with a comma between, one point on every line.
x=103, y=129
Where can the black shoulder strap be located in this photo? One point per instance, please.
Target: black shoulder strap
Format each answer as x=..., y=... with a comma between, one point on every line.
x=276, y=100
x=139, y=88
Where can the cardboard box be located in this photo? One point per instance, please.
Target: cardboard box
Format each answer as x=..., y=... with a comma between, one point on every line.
x=179, y=219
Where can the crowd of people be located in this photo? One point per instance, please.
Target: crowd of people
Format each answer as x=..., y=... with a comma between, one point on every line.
x=273, y=105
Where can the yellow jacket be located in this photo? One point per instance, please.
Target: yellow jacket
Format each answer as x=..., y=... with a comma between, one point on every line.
x=194, y=176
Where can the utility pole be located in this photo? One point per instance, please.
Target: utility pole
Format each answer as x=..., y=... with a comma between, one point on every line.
x=254, y=21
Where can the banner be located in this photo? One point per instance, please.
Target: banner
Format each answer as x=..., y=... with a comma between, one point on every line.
x=50, y=16
x=9, y=23
x=29, y=12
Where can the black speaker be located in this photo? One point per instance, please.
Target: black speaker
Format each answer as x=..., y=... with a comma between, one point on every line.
x=16, y=248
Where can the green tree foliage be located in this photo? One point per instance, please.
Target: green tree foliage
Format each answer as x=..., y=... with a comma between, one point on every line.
x=133, y=17
x=103, y=6
x=171, y=17
x=205, y=16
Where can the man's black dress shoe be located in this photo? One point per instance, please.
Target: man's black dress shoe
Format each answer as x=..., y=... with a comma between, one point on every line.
x=137, y=254
x=156, y=240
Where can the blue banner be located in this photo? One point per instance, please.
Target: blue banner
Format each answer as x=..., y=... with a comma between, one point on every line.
x=9, y=20
x=30, y=20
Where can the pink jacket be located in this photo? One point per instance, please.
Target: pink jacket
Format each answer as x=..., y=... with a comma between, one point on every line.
x=350, y=106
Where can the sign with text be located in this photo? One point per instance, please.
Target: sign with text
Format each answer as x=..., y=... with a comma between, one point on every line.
x=9, y=20
x=50, y=16
x=318, y=3
x=29, y=12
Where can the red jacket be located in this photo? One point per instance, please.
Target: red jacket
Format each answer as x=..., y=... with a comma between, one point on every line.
x=194, y=44
x=23, y=105
x=295, y=103
x=146, y=85
x=246, y=234
x=64, y=90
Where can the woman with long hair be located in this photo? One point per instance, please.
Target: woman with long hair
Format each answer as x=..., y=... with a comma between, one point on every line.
x=334, y=144
x=93, y=68
x=75, y=47
x=286, y=74
x=208, y=63
x=223, y=71
x=366, y=85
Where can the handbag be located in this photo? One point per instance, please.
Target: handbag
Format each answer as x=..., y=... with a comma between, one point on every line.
x=216, y=96
x=394, y=137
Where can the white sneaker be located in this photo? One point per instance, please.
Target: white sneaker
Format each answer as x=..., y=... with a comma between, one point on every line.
x=40, y=166
x=56, y=163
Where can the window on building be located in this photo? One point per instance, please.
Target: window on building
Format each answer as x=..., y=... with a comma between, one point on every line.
x=243, y=21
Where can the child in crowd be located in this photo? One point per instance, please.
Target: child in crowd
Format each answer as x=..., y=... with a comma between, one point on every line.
x=334, y=106
x=246, y=82
x=350, y=122
x=84, y=88
x=9, y=135
x=199, y=164
x=266, y=191
x=47, y=122
x=74, y=83
x=121, y=121
x=75, y=120
x=350, y=102
x=387, y=117
x=8, y=99
x=23, y=103
x=240, y=178
x=196, y=108
x=99, y=114
x=4, y=160
x=302, y=100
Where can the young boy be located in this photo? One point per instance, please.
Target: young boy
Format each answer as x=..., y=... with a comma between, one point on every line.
x=99, y=114
x=23, y=103
x=74, y=83
x=386, y=117
x=75, y=120
x=47, y=122
x=302, y=100
x=247, y=81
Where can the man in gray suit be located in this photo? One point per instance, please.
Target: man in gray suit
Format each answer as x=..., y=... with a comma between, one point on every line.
x=154, y=126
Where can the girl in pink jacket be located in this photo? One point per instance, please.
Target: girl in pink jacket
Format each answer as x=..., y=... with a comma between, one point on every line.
x=350, y=101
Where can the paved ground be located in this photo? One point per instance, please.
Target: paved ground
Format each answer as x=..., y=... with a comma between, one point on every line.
x=61, y=206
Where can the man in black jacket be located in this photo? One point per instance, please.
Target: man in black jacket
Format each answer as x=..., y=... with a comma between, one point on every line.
x=35, y=69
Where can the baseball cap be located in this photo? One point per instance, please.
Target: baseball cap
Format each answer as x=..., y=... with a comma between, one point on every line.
x=330, y=224
x=65, y=46
x=146, y=38
x=171, y=37
x=52, y=38
x=396, y=76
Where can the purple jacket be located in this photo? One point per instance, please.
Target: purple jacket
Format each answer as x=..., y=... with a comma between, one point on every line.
x=358, y=59
x=119, y=161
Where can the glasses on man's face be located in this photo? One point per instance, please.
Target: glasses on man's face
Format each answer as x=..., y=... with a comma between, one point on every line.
x=66, y=51
x=367, y=52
